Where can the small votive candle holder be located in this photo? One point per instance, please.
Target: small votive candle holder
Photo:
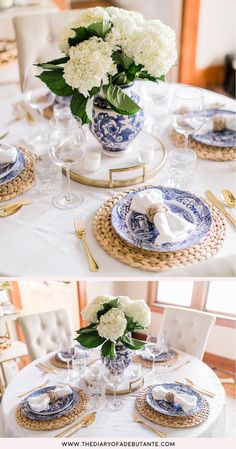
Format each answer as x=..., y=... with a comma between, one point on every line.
x=146, y=153
x=92, y=160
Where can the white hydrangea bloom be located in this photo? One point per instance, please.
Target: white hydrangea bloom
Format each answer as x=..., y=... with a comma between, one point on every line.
x=124, y=24
x=112, y=324
x=86, y=18
x=89, y=65
x=89, y=314
x=123, y=302
x=139, y=312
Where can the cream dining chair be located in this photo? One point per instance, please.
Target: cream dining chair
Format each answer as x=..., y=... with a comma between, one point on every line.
x=187, y=329
x=37, y=36
x=44, y=331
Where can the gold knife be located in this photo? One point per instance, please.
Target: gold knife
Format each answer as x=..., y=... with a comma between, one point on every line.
x=212, y=198
x=79, y=423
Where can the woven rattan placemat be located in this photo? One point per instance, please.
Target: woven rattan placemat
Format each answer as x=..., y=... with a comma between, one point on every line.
x=171, y=421
x=148, y=363
x=57, y=423
x=150, y=260
x=205, y=151
x=21, y=183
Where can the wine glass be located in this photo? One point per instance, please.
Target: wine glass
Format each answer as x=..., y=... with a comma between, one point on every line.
x=114, y=379
x=67, y=147
x=187, y=111
x=67, y=354
x=38, y=96
x=155, y=345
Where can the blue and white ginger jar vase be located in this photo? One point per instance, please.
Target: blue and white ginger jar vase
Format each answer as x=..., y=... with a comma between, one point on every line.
x=115, y=131
x=122, y=360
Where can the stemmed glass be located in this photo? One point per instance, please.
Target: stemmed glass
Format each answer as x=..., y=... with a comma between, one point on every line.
x=68, y=353
x=67, y=147
x=37, y=96
x=187, y=111
x=155, y=345
x=113, y=380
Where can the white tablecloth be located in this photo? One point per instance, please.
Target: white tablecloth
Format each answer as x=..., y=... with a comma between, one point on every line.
x=40, y=239
x=120, y=424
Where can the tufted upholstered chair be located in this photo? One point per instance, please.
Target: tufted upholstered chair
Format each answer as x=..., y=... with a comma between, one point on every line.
x=187, y=329
x=43, y=330
x=37, y=36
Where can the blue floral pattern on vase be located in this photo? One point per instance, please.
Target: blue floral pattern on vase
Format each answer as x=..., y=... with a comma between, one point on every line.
x=122, y=360
x=115, y=131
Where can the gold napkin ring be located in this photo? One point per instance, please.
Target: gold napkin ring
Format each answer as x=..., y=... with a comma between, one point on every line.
x=155, y=209
x=219, y=123
x=53, y=396
x=170, y=397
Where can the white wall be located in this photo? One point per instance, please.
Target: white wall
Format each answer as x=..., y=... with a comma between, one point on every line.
x=216, y=35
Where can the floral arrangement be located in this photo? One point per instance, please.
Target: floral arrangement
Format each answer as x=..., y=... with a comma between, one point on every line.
x=105, y=48
x=111, y=319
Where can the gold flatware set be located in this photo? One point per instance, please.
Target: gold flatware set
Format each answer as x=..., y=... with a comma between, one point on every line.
x=11, y=208
x=5, y=134
x=150, y=427
x=217, y=203
x=80, y=232
x=84, y=422
x=190, y=383
x=46, y=369
x=181, y=366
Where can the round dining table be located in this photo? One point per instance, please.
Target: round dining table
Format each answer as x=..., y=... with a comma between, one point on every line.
x=119, y=423
x=40, y=238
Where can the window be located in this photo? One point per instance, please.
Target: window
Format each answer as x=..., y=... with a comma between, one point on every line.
x=215, y=296
x=221, y=297
x=181, y=294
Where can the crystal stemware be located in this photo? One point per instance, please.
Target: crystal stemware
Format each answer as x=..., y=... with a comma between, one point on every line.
x=38, y=97
x=187, y=111
x=113, y=380
x=67, y=147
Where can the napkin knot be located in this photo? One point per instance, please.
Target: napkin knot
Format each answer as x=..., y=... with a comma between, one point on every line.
x=53, y=396
x=155, y=209
x=219, y=123
x=170, y=397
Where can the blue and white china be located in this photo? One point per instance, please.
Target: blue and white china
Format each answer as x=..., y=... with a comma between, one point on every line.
x=55, y=409
x=115, y=131
x=137, y=230
x=161, y=357
x=173, y=409
x=15, y=170
x=221, y=139
x=122, y=360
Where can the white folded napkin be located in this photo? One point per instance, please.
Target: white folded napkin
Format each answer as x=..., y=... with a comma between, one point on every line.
x=8, y=154
x=186, y=401
x=41, y=402
x=219, y=122
x=171, y=227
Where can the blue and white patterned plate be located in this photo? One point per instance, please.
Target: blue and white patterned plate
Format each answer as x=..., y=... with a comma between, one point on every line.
x=221, y=139
x=55, y=410
x=169, y=409
x=16, y=169
x=162, y=357
x=136, y=229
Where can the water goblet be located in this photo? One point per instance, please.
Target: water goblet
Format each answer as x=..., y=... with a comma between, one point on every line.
x=187, y=111
x=38, y=97
x=113, y=380
x=67, y=147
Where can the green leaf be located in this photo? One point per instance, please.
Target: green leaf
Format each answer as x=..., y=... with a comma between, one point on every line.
x=81, y=34
x=119, y=101
x=52, y=65
x=56, y=83
x=132, y=71
x=99, y=29
x=143, y=74
x=121, y=59
x=84, y=331
x=90, y=341
x=109, y=349
x=107, y=306
x=81, y=107
x=132, y=343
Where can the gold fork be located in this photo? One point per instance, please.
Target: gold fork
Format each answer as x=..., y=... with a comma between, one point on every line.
x=140, y=421
x=84, y=422
x=81, y=234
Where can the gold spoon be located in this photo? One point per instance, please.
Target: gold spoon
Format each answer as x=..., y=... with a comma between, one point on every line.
x=11, y=211
x=229, y=198
x=8, y=206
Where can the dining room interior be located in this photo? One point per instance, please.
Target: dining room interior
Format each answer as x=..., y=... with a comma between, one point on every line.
x=191, y=325
x=157, y=155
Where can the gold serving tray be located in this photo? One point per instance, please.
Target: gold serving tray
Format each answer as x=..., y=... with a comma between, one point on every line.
x=108, y=175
